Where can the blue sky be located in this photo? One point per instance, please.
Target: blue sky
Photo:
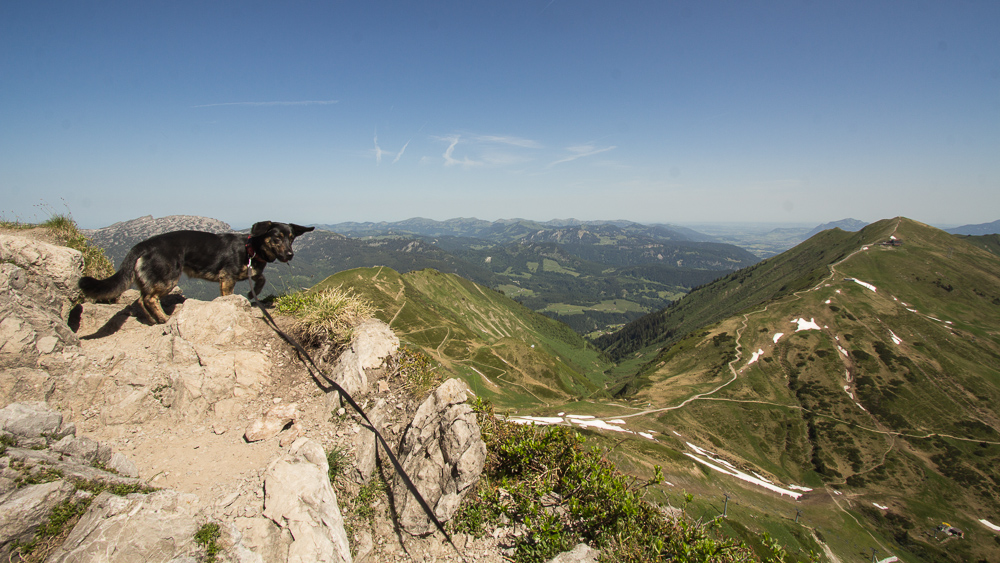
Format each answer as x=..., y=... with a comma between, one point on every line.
x=658, y=111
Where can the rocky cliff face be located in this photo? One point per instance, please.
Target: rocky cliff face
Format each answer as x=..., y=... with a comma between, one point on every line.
x=171, y=408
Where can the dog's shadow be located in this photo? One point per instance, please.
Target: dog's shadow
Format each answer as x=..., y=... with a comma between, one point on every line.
x=118, y=320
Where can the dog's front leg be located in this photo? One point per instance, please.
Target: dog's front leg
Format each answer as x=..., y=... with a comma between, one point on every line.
x=226, y=285
x=258, y=285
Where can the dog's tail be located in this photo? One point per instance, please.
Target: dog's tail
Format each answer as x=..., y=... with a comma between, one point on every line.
x=115, y=285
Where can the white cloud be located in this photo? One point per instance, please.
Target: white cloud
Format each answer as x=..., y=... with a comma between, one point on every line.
x=400, y=154
x=449, y=160
x=270, y=104
x=507, y=140
x=379, y=152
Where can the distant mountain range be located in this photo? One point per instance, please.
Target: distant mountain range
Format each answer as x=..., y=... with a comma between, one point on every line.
x=980, y=229
x=591, y=275
x=850, y=225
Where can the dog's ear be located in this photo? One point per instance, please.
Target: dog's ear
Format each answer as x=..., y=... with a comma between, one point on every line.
x=258, y=229
x=298, y=230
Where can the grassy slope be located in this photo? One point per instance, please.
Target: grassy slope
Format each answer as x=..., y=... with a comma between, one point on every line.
x=503, y=350
x=796, y=269
x=910, y=425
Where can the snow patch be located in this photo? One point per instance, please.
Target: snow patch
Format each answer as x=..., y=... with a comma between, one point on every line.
x=806, y=325
x=730, y=470
x=877, y=505
x=778, y=337
x=990, y=525
x=541, y=420
x=863, y=284
x=895, y=339
x=756, y=355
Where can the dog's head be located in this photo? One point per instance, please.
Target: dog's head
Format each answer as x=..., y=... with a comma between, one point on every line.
x=275, y=239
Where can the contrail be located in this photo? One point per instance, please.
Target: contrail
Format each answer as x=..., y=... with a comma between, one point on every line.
x=265, y=104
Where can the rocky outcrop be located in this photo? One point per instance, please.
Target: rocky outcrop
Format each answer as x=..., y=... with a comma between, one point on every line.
x=41, y=468
x=213, y=364
x=33, y=329
x=169, y=395
x=56, y=265
x=23, y=510
x=365, y=442
x=299, y=498
x=443, y=453
x=371, y=342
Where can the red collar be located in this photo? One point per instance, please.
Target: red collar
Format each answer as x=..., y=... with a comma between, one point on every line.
x=252, y=254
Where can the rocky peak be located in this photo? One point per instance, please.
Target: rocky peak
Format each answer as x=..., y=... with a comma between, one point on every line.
x=166, y=406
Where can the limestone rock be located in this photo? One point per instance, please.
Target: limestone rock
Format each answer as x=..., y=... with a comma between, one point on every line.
x=122, y=465
x=443, y=453
x=373, y=340
x=59, y=264
x=272, y=423
x=365, y=446
x=220, y=321
x=160, y=527
x=31, y=420
x=25, y=384
x=265, y=538
x=33, y=332
x=298, y=496
x=582, y=553
x=23, y=510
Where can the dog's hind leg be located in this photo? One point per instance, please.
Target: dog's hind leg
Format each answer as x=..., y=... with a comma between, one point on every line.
x=155, y=280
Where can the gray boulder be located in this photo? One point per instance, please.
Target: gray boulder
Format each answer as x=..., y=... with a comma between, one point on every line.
x=365, y=447
x=443, y=453
x=33, y=332
x=159, y=527
x=31, y=420
x=582, y=553
x=371, y=342
x=298, y=497
x=23, y=510
x=59, y=264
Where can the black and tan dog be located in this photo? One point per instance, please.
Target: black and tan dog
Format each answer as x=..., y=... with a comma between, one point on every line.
x=155, y=264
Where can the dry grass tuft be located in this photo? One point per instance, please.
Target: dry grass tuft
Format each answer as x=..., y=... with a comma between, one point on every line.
x=327, y=317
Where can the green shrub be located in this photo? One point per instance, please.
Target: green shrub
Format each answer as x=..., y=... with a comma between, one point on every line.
x=95, y=263
x=208, y=537
x=563, y=493
x=337, y=460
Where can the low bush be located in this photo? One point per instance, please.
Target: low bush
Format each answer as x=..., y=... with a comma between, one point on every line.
x=561, y=493
x=95, y=263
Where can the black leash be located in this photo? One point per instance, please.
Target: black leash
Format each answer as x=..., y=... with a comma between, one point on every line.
x=350, y=401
